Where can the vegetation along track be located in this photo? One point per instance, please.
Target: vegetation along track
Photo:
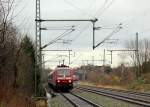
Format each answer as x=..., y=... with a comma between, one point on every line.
x=132, y=97
x=78, y=101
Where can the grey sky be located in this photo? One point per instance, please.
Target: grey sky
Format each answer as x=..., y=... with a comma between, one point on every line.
x=133, y=14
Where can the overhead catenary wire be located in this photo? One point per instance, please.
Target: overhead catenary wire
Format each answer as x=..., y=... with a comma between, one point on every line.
x=24, y=20
x=59, y=37
x=86, y=26
x=19, y=12
x=76, y=59
x=79, y=32
x=104, y=8
x=76, y=7
x=117, y=29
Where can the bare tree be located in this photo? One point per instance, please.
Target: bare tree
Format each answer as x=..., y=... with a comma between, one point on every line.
x=143, y=55
x=6, y=12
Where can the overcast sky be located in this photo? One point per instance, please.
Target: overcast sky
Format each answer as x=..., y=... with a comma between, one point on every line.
x=133, y=14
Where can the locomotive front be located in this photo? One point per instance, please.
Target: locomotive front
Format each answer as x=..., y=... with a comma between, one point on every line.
x=64, y=78
x=61, y=78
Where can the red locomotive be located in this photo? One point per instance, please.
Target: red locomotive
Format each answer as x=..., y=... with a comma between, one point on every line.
x=61, y=78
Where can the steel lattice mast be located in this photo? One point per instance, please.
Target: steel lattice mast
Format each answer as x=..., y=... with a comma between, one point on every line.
x=38, y=42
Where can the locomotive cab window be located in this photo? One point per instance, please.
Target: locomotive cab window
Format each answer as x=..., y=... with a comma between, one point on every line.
x=65, y=72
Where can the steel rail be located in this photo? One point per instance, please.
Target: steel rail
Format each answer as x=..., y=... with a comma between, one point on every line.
x=129, y=92
x=133, y=100
x=123, y=91
x=74, y=104
x=86, y=100
x=80, y=100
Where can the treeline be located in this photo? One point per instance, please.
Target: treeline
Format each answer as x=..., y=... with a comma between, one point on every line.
x=133, y=76
x=17, y=63
x=140, y=59
x=108, y=76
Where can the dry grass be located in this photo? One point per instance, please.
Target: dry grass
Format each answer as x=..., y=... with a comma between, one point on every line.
x=103, y=86
x=41, y=103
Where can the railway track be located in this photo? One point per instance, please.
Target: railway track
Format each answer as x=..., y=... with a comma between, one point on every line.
x=78, y=101
x=131, y=97
x=122, y=91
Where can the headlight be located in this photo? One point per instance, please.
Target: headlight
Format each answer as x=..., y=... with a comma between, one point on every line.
x=58, y=80
x=69, y=81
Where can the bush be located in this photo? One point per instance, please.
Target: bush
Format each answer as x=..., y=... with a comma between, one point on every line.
x=93, y=77
x=138, y=85
x=146, y=78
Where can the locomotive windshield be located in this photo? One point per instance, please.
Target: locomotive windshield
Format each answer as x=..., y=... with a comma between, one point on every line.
x=65, y=72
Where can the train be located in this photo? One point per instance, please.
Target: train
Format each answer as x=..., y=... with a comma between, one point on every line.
x=62, y=77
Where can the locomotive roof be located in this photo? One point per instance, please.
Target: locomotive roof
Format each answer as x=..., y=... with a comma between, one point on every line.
x=59, y=68
x=62, y=65
x=62, y=68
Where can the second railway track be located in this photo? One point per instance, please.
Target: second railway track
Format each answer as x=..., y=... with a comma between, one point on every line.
x=121, y=91
x=128, y=97
x=78, y=101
